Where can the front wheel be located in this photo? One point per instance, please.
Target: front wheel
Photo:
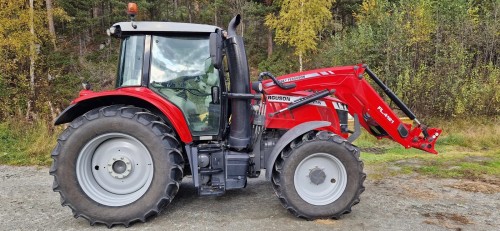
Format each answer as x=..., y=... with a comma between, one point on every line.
x=117, y=165
x=318, y=175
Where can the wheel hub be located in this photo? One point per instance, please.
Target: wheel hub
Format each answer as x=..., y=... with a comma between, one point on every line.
x=320, y=178
x=317, y=176
x=119, y=167
x=114, y=169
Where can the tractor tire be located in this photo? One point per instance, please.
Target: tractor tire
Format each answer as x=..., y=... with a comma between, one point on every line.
x=117, y=165
x=318, y=175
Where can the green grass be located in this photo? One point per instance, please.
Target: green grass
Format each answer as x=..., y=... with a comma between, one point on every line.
x=26, y=143
x=470, y=151
x=448, y=164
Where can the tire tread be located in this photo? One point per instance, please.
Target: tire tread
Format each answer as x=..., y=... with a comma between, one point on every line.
x=298, y=142
x=144, y=117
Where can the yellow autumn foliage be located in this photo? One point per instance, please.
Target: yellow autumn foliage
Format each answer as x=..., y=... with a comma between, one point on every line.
x=299, y=22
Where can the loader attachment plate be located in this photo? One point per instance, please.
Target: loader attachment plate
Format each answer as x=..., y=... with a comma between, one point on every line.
x=425, y=143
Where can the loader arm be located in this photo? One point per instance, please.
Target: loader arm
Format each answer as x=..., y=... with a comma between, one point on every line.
x=373, y=112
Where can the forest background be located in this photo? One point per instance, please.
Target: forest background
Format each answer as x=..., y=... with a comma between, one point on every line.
x=440, y=56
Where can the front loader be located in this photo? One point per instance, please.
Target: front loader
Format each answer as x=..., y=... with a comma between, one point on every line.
x=125, y=152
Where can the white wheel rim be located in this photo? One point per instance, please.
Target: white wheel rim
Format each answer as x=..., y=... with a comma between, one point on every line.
x=114, y=169
x=320, y=179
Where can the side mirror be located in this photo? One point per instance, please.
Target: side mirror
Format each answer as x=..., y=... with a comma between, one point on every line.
x=215, y=95
x=216, y=49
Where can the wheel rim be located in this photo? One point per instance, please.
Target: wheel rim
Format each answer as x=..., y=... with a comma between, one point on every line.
x=114, y=169
x=320, y=179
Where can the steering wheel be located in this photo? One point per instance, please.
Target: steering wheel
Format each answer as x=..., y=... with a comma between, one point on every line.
x=172, y=85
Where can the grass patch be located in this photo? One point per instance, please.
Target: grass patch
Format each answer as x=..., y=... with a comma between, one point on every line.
x=468, y=151
x=477, y=134
x=26, y=143
x=452, y=162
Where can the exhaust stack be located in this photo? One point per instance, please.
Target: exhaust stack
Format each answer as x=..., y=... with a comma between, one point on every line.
x=240, y=129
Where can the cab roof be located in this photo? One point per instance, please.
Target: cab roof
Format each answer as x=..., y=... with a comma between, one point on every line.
x=148, y=26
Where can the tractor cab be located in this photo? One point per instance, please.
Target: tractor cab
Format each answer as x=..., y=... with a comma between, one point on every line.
x=174, y=60
x=182, y=62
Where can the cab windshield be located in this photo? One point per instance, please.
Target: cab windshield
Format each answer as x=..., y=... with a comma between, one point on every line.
x=182, y=71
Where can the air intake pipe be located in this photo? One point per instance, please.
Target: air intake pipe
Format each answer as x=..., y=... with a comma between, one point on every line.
x=240, y=129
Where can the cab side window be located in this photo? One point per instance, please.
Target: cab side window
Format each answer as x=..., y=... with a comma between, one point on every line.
x=131, y=60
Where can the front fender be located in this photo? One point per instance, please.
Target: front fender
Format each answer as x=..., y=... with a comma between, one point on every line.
x=137, y=96
x=287, y=138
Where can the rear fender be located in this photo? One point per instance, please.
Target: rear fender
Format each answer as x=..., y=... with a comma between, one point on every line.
x=139, y=97
x=287, y=138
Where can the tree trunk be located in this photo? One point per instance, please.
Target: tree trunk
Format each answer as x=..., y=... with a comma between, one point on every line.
x=52, y=112
x=32, y=60
x=215, y=14
x=196, y=9
x=50, y=19
x=301, y=26
x=242, y=28
x=239, y=10
x=300, y=62
x=269, y=43
x=269, y=34
x=80, y=45
x=190, y=13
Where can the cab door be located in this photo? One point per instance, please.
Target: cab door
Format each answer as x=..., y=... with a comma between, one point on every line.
x=181, y=70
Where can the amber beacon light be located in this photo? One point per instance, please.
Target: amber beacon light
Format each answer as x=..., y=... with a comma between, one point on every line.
x=132, y=9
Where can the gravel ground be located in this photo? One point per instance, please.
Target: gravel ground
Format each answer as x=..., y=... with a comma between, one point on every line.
x=407, y=202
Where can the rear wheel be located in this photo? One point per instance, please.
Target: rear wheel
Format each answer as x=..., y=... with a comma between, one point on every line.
x=319, y=175
x=117, y=165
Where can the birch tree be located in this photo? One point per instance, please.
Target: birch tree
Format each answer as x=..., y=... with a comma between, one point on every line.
x=50, y=20
x=32, y=57
x=299, y=22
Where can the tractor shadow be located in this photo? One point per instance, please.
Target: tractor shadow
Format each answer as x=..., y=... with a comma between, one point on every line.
x=257, y=200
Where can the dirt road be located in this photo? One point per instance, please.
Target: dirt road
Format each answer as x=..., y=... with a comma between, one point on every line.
x=408, y=202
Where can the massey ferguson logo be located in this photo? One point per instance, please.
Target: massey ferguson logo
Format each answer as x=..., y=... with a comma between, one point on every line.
x=279, y=98
x=291, y=99
x=291, y=79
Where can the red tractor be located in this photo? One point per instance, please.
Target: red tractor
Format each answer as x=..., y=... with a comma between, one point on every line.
x=176, y=111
